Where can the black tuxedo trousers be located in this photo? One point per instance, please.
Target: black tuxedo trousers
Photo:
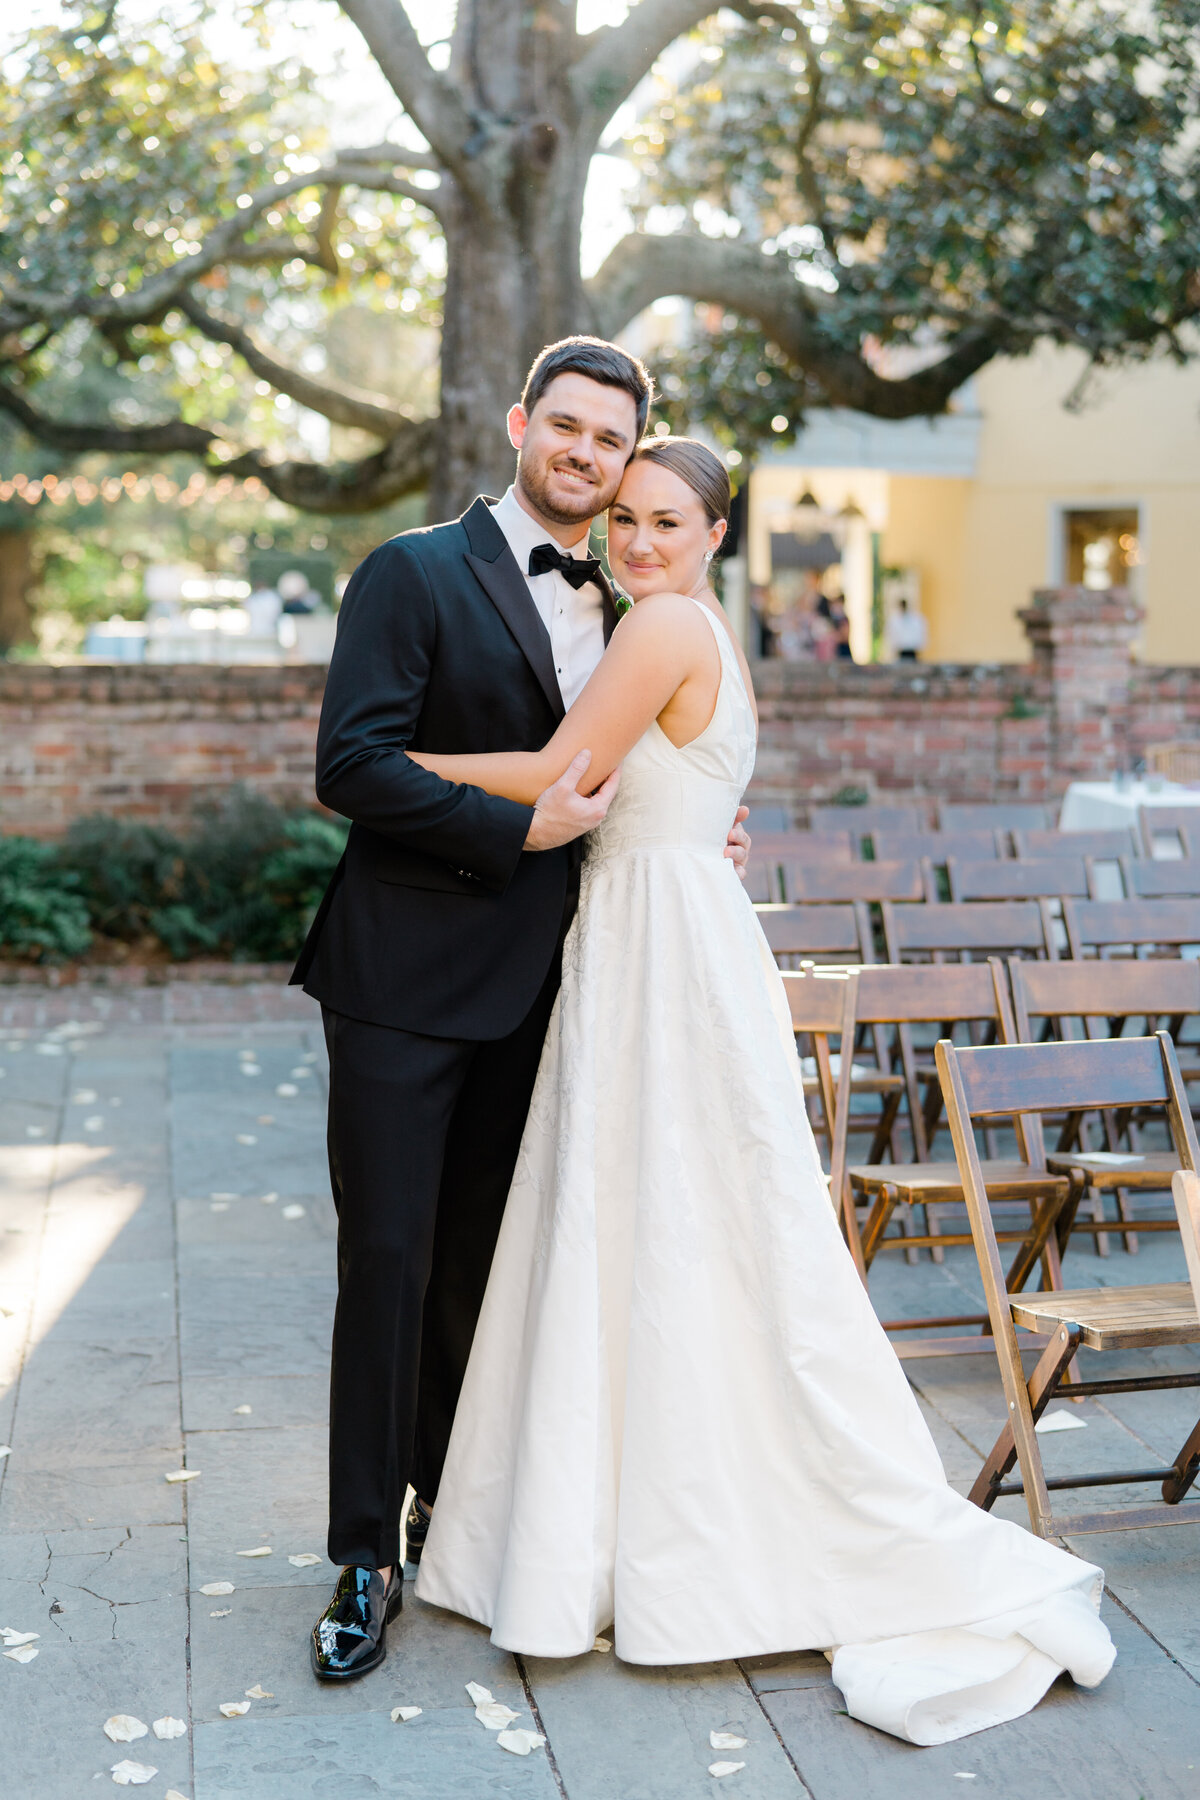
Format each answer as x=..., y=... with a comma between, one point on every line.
x=423, y=1139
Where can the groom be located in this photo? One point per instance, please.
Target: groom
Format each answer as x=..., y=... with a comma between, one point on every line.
x=436, y=950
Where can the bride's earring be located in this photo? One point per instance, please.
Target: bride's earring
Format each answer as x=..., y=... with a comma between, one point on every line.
x=708, y=556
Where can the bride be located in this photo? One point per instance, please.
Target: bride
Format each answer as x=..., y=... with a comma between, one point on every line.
x=681, y=1417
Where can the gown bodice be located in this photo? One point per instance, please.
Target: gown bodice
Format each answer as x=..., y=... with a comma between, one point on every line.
x=672, y=798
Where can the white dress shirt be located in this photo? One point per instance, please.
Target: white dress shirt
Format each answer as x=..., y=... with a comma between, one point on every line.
x=574, y=618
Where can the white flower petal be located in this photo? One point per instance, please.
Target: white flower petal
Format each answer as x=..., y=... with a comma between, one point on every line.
x=84, y=1097
x=212, y=1589
x=724, y=1768
x=246, y=1137
x=263, y=1550
x=219, y=1206
x=479, y=1695
x=242, y=1411
x=251, y=1068
x=234, y=1709
x=35, y=1131
x=727, y=1740
x=12, y=1637
x=287, y=1090
x=520, y=1741
x=305, y=1560
x=268, y=1199
x=222, y=1196
x=265, y=1119
x=95, y=1123
x=402, y=1714
x=301, y=1074
x=223, y=1614
x=5, y=1450
x=132, y=1774
x=603, y=1645
x=1060, y=1421
x=167, y=1727
x=49, y=1049
x=181, y=1475
x=174, y=1794
x=495, y=1715
x=123, y=1728
x=292, y=1212
x=24, y=1653
x=258, y=1692
x=310, y=1056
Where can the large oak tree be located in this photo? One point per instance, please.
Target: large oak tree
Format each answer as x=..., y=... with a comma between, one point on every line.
x=872, y=201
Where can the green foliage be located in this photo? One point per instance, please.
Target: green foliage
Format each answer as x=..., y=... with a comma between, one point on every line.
x=243, y=883
x=42, y=917
x=1022, y=168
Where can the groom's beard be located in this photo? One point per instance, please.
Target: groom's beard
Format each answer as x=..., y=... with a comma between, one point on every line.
x=535, y=485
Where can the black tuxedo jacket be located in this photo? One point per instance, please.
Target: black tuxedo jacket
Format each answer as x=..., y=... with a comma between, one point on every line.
x=435, y=919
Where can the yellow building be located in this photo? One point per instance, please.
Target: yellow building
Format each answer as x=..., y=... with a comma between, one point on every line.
x=1009, y=492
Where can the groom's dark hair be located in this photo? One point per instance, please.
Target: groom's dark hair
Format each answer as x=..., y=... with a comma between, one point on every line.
x=599, y=361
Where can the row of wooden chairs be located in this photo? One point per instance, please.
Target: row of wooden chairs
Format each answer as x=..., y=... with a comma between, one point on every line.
x=781, y=870
x=845, y=931
x=1171, y=829
x=1027, y=1085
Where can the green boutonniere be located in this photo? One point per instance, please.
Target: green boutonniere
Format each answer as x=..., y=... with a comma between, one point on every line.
x=623, y=604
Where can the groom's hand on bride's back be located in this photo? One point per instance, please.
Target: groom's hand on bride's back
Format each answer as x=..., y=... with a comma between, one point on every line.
x=737, y=844
x=561, y=813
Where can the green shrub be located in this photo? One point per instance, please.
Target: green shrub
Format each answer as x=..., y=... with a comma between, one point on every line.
x=42, y=915
x=243, y=883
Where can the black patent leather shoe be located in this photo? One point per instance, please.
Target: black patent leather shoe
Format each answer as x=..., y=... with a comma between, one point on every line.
x=416, y=1530
x=350, y=1637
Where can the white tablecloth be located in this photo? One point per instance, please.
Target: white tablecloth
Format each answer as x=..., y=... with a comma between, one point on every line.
x=1101, y=805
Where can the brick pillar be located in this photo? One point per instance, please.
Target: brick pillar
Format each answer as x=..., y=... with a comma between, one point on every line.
x=1082, y=642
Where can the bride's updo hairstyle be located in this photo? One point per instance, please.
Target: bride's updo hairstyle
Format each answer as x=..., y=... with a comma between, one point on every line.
x=695, y=464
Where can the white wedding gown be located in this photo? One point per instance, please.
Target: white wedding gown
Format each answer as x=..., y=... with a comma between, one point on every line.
x=681, y=1415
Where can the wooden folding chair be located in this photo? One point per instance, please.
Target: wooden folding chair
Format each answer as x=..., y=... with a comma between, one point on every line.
x=768, y=818
x=1041, y=878
x=862, y=821
x=796, y=934
x=964, y=932
x=1000, y=815
x=853, y=881
x=1169, y=830
x=818, y=1008
x=1103, y=846
x=944, y=995
x=1096, y=1000
x=1027, y=1080
x=880, y=1081
x=1162, y=880
x=1130, y=926
x=910, y=846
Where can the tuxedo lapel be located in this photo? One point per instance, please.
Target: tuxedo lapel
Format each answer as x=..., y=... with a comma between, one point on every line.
x=495, y=568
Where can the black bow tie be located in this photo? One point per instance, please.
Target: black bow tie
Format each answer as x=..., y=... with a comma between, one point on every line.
x=578, y=570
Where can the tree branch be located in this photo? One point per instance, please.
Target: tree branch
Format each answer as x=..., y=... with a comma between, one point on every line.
x=614, y=59
x=60, y=434
x=641, y=269
x=432, y=103
x=403, y=466
x=341, y=405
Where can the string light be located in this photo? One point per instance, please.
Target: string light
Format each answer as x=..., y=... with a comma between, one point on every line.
x=60, y=490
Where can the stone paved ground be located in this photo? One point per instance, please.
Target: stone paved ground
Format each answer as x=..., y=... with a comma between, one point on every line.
x=166, y=1261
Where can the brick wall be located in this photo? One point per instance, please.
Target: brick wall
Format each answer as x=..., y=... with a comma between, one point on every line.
x=147, y=742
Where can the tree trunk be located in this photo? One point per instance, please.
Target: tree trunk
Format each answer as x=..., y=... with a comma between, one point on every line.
x=16, y=580
x=513, y=282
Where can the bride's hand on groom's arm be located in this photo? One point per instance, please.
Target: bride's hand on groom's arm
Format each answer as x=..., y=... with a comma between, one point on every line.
x=561, y=813
x=737, y=845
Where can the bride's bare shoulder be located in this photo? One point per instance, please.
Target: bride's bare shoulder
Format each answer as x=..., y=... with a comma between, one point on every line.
x=657, y=612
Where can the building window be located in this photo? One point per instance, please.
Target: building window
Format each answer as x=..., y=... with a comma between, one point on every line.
x=1100, y=545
